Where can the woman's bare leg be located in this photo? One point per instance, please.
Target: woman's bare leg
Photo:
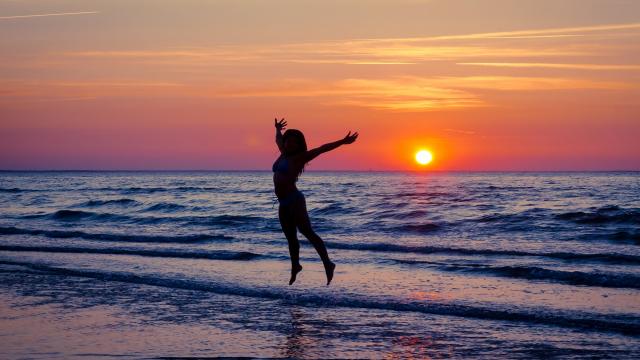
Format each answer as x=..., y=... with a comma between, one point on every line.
x=287, y=222
x=318, y=244
x=304, y=225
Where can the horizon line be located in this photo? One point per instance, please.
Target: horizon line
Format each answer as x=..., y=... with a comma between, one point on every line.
x=319, y=170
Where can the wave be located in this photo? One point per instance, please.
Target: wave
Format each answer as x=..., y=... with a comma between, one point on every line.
x=399, y=214
x=123, y=201
x=68, y=215
x=138, y=190
x=166, y=207
x=622, y=236
x=150, y=190
x=524, y=216
x=65, y=234
x=129, y=190
x=210, y=254
x=537, y=273
x=527, y=220
x=393, y=227
x=12, y=190
x=230, y=220
x=609, y=258
x=625, y=324
x=74, y=215
x=603, y=215
x=417, y=228
x=332, y=209
x=424, y=194
x=509, y=188
x=197, y=188
x=625, y=236
x=410, y=214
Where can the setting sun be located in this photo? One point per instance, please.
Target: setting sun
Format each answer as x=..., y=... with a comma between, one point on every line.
x=423, y=157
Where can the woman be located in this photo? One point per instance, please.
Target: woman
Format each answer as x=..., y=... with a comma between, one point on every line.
x=294, y=156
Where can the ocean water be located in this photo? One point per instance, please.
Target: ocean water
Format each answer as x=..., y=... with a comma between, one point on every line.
x=429, y=265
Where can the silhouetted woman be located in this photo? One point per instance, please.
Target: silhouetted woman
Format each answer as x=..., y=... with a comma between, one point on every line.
x=294, y=156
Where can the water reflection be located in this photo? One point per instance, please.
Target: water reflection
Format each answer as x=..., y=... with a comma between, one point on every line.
x=296, y=343
x=419, y=347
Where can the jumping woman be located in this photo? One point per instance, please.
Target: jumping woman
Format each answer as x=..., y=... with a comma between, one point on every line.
x=294, y=156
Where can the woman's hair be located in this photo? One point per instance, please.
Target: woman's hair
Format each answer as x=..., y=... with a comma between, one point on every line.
x=302, y=144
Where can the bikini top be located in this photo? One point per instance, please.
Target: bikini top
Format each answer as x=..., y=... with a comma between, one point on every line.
x=281, y=165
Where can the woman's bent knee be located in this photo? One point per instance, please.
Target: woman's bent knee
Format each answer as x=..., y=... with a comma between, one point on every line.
x=307, y=231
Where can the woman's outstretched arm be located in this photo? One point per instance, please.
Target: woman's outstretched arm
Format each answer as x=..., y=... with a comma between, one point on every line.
x=280, y=125
x=313, y=153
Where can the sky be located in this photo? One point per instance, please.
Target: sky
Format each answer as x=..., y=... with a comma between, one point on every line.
x=485, y=85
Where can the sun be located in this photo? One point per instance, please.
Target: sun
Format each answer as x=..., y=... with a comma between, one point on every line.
x=423, y=157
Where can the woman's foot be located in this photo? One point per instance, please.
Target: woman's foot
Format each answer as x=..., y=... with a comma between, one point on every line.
x=295, y=269
x=329, y=268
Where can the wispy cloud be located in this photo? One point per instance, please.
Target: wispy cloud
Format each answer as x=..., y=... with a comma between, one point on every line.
x=411, y=87
x=37, y=91
x=46, y=15
x=346, y=53
x=558, y=66
x=405, y=93
x=384, y=51
x=458, y=131
x=520, y=83
x=553, y=36
x=399, y=93
x=533, y=33
x=115, y=84
x=197, y=53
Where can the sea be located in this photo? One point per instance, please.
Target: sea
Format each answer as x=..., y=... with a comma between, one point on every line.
x=429, y=265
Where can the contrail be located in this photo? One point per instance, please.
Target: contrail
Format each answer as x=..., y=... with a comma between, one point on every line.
x=42, y=15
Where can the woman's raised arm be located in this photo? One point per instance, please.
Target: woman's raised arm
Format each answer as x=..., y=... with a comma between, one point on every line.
x=313, y=153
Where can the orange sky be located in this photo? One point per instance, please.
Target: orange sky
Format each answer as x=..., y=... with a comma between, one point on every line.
x=158, y=84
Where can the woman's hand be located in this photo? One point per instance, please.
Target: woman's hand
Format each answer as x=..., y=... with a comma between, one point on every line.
x=313, y=153
x=350, y=138
x=280, y=125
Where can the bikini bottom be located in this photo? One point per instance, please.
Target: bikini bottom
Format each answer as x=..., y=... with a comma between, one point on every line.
x=291, y=198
